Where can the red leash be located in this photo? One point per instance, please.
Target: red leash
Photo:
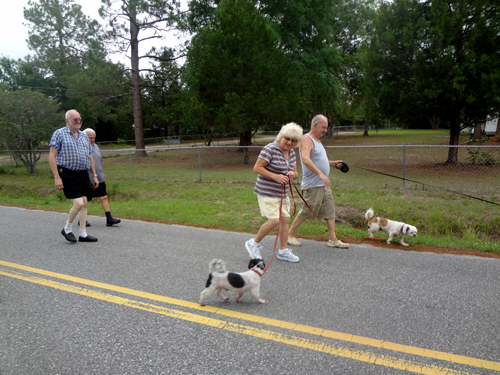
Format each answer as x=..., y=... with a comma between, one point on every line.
x=283, y=194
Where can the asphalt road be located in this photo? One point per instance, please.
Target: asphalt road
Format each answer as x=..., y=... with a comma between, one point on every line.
x=128, y=305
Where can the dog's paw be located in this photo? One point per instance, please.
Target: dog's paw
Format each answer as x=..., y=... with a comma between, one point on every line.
x=263, y=301
x=226, y=299
x=202, y=304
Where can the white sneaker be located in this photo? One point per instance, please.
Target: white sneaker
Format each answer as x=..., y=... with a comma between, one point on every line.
x=253, y=249
x=287, y=255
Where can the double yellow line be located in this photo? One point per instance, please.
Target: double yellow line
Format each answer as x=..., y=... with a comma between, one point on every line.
x=315, y=345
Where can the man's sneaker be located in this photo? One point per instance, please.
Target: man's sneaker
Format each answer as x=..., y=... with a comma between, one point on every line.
x=253, y=249
x=287, y=255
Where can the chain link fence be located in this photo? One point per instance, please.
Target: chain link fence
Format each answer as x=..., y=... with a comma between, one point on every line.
x=410, y=167
x=400, y=167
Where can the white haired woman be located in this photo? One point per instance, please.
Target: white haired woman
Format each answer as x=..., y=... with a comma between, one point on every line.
x=100, y=191
x=276, y=166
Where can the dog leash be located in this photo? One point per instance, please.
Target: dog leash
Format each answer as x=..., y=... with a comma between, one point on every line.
x=418, y=182
x=283, y=193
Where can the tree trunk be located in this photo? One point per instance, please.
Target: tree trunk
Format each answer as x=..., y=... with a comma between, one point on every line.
x=365, y=133
x=454, y=139
x=478, y=131
x=497, y=132
x=434, y=121
x=246, y=138
x=136, y=86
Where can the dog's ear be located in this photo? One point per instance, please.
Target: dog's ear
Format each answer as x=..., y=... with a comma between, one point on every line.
x=252, y=263
x=255, y=262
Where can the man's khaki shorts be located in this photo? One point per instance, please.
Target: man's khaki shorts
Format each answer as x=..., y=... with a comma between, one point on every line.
x=320, y=199
x=270, y=207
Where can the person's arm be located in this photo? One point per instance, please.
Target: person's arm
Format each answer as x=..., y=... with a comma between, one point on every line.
x=306, y=147
x=95, y=181
x=336, y=163
x=260, y=168
x=53, y=167
x=293, y=175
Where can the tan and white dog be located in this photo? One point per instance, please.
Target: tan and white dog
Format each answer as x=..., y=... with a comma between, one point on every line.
x=391, y=227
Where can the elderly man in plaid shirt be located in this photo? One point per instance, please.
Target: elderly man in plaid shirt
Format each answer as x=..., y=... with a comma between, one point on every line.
x=70, y=160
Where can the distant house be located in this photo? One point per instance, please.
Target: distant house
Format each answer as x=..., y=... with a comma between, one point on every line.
x=490, y=127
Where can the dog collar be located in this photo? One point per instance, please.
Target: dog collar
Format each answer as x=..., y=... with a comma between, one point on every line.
x=401, y=231
x=257, y=272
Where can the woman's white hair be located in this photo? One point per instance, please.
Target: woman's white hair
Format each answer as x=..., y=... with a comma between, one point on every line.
x=291, y=130
x=88, y=130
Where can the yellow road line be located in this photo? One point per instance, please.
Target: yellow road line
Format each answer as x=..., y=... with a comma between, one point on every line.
x=318, y=346
x=448, y=357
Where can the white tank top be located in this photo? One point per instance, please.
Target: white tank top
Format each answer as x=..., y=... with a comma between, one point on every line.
x=320, y=160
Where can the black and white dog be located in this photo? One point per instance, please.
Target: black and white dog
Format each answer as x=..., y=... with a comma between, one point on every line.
x=219, y=279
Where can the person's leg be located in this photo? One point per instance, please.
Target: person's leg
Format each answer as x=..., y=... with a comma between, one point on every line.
x=264, y=230
x=295, y=224
x=284, y=232
x=104, y=203
x=78, y=204
x=110, y=220
x=331, y=229
x=103, y=197
x=284, y=252
x=82, y=213
x=311, y=196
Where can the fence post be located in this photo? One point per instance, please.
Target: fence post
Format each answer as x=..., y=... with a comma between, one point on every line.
x=404, y=165
x=199, y=162
x=131, y=167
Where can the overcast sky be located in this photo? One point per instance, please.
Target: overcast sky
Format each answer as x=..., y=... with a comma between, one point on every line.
x=13, y=33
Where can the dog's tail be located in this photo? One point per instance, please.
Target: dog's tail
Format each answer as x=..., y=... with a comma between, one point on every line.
x=217, y=265
x=369, y=214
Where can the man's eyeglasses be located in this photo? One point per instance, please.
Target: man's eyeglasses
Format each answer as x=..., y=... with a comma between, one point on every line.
x=77, y=120
x=290, y=140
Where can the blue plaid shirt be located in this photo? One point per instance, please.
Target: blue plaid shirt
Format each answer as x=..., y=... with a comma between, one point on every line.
x=72, y=153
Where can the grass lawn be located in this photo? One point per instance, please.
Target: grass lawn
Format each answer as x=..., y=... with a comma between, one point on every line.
x=445, y=220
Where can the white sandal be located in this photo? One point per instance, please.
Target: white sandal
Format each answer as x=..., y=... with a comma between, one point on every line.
x=337, y=243
x=293, y=241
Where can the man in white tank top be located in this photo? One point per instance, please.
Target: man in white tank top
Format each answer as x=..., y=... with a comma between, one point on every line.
x=316, y=184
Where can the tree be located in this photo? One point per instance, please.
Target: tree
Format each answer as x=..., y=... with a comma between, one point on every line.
x=162, y=96
x=25, y=74
x=127, y=21
x=70, y=55
x=305, y=32
x=236, y=72
x=440, y=59
x=63, y=39
x=352, y=20
x=27, y=120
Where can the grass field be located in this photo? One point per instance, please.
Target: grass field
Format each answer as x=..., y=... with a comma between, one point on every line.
x=166, y=188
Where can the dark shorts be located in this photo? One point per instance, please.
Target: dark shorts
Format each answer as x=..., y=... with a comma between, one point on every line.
x=76, y=183
x=100, y=191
